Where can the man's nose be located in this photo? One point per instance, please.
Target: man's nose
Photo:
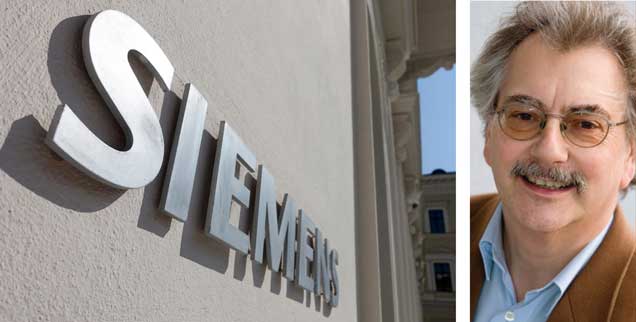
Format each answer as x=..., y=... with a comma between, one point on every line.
x=550, y=147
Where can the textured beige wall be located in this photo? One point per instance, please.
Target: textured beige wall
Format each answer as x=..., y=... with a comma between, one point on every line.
x=72, y=249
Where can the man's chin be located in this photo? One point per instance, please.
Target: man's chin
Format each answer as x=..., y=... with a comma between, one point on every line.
x=540, y=215
x=544, y=222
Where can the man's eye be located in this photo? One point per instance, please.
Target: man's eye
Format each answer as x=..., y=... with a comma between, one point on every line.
x=587, y=125
x=523, y=116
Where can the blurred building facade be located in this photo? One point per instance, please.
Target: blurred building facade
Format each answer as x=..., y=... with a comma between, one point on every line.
x=433, y=235
x=393, y=44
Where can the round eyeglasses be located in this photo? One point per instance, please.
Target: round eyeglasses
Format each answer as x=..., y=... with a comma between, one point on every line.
x=582, y=128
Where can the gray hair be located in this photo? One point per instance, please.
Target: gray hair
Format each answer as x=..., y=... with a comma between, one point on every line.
x=564, y=26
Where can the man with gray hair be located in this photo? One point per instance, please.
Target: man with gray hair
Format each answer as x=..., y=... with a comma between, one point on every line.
x=556, y=88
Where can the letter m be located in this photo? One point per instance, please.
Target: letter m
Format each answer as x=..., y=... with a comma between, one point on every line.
x=278, y=229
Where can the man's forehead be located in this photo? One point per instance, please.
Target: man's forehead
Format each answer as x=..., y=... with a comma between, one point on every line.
x=589, y=76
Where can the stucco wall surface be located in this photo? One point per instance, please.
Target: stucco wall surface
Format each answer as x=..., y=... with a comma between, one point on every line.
x=74, y=249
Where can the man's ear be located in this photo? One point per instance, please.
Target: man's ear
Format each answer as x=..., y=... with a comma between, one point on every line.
x=630, y=166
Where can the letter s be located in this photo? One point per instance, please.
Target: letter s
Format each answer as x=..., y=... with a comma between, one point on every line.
x=335, y=286
x=108, y=38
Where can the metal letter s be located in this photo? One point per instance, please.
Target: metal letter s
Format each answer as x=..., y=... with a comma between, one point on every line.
x=108, y=38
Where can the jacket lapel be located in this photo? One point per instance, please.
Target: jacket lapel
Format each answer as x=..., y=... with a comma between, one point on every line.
x=590, y=296
x=481, y=209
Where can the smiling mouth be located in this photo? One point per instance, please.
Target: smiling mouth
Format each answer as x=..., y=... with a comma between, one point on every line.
x=546, y=183
x=553, y=179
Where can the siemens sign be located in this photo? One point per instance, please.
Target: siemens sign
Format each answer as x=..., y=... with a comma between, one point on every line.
x=294, y=245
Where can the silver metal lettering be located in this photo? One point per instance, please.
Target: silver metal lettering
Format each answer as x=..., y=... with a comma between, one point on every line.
x=335, y=286
x=266, y=225
x=108, y=38
x=321, y=274
x=177, y=191
x=305, y=252
x=226, y=187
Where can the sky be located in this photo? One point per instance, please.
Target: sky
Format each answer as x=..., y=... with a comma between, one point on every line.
x=437, y=120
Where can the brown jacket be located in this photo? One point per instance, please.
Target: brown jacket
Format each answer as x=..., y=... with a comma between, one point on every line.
x=603, y=291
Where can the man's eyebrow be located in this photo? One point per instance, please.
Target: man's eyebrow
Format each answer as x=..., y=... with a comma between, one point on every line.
x=536, y=103
x=525, y=100
x=592, y=108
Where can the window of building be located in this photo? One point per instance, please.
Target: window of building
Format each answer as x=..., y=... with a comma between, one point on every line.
x=443, y=279
x=436, y=221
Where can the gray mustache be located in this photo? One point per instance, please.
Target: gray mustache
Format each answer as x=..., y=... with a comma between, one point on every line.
x=561, y=176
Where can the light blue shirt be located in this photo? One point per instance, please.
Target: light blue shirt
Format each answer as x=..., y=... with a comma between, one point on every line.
x=497, y=301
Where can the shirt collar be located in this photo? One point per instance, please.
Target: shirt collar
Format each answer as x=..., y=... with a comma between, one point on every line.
x=491, y=248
